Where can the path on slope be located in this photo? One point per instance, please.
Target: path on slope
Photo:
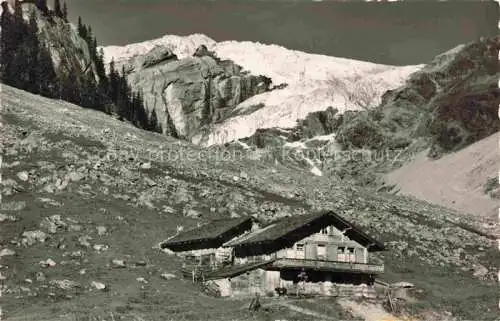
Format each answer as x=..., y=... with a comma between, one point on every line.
x=456, y=180
x=369, y=312
x=309, y=312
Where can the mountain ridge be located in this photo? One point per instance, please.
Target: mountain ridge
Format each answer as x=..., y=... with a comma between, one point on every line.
x=308, y=77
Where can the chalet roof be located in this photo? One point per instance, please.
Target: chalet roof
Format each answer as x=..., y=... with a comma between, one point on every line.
x=210, y=231
x=295, y=225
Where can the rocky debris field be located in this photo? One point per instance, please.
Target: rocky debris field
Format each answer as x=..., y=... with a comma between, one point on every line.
x=87, y=199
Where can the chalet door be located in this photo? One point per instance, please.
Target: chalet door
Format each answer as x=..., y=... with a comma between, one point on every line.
x=272, y=280
x=321, y=252
x=332, y=252
x=360, y=255
x=310, y=253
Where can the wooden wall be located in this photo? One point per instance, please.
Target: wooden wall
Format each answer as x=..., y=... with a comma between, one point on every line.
x=215, y=256
x=332, y=242
x=265, y=282
x=255, y=281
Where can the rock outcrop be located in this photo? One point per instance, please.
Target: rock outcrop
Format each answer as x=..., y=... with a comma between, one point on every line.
x=69, y=52
x=317, y=123
x=450, y=103
x=190, y=93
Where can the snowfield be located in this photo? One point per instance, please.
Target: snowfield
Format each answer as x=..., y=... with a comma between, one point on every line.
x=315, y=82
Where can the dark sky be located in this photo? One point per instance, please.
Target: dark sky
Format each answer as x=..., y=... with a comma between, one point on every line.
x=398, y=33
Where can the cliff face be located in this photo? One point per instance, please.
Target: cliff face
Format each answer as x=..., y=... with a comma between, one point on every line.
x=191, y=93
x=451, y=103
x=69, y=51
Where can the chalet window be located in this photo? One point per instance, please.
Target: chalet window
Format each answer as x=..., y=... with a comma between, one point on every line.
x=321, y=251
x=300, y=251
x=324, y=231
x=350, y=254
x=341, y=254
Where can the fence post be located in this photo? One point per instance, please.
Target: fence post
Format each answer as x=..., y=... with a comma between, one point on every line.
x=1, y=294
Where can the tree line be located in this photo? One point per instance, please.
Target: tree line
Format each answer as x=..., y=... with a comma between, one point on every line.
x=26, y=63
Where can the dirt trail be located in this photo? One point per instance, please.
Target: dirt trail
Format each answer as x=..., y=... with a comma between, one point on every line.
x=309, y=312
x=367, y=311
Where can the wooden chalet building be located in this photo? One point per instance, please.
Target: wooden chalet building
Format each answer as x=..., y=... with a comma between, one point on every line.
x=203, y=246
x=316, y=252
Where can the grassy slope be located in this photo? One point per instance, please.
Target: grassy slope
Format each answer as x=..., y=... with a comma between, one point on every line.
x=70, y=139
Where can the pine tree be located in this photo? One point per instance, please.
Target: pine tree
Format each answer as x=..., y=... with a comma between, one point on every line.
x=27, y=64
x=153, y=124
x=18, y=10
x=80, y=26
x=122, y=100
x=113, y=82
x=49, y=84
x=93, y=48
x=71, y=88
x=42, y=6
x=65, y=11
x=99, y=65
x=6, y=39
x=82, y=29
x=32, y=46
x=140, y=116
x=15, y=52
x=88, y=37
x=57, y=8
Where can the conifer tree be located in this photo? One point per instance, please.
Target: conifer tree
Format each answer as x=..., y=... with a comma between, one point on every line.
x=26, y=63
x=32, y=46
x=7, y=45
x=153, y=124
x=18, y=10
x=49, y=84
x=99, y=64
x=65, y=12
x=42, y=6
x=113, y=82
x=57, y=8
x=80, y=26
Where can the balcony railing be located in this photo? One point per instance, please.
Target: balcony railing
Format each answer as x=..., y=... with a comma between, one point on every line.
x=328, y=265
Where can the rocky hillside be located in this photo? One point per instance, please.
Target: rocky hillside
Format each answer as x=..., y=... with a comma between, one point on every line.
x=450, y=103
x=87, y=199
x=190, y=93
x=447, y=105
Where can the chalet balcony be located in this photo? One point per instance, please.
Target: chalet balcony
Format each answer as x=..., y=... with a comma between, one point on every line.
x=324, y=265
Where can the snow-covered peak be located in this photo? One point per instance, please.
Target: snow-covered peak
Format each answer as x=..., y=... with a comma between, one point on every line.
x=281, y=64
x=182, y=46
x=284, y=65
x=315, y=82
